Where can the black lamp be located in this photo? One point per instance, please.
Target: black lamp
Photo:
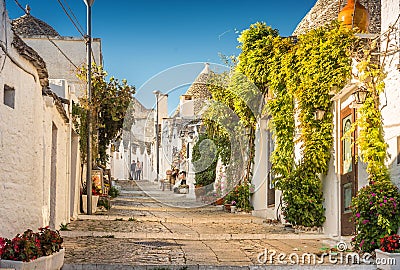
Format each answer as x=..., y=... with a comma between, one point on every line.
x=360, y=95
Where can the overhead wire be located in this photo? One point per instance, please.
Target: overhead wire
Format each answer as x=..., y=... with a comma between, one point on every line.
x=47, y=36
x=73, y=15
x=70, y=18
x=5, y=42
x=75, y=22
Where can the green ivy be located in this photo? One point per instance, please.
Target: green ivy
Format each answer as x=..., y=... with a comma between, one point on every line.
x=375, y=209
x=301, y=81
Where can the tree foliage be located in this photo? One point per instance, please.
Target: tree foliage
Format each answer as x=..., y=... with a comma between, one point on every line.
x=204, y=159
x=110, y=101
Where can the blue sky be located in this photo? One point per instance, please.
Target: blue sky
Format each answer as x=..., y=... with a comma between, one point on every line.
x=142, y=38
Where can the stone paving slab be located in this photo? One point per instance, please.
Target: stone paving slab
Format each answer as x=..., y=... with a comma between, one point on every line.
x=198, y=218
x=208, y=267
x=142, y=232
x=139, y=251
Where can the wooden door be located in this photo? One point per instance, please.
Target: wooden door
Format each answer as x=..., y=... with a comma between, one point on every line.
x=348, y=178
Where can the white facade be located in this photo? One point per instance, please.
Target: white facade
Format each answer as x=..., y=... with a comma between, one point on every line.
x=135, y=145
x=35, y=145
x=390, y=101
x=58, y=65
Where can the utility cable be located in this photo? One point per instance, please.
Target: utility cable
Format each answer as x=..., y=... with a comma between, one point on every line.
x=70, y=18
x=75, y=22
x=73, y=15
x=5, y=42
x=47, y=36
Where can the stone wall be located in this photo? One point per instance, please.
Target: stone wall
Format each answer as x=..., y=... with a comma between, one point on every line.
x=325, y=11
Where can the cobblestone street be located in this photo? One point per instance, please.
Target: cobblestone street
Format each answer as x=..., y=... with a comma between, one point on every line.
x=145, y=226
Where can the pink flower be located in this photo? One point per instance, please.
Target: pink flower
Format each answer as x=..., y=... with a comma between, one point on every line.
x=373, y=194
x=358, y=215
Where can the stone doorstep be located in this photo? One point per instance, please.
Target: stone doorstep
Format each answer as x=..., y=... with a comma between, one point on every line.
x=195, y=237
x=212, y=267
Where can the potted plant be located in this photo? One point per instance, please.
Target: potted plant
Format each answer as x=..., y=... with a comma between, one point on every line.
x=388, y=255
x=96, y=192
x=233, y=206
x=41, y=250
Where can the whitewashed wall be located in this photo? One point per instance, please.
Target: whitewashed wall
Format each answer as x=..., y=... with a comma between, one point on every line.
x=259, y=198
x=390, y=101
x=57, y=64
x=57, y=184
x=21, y=181
x=25, y=149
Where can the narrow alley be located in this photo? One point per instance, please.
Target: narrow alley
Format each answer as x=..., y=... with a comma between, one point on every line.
x=145, y=226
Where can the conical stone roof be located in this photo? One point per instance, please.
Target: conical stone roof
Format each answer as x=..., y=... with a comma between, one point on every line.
x=325, y=11
x=28, y=26
x=198, y=90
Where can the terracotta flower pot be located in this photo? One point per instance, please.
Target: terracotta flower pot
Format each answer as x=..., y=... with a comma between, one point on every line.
x=219, y=201
x=358, y=12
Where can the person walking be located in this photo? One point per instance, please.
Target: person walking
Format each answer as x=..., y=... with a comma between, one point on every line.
x=133, y=170
x=138, y=169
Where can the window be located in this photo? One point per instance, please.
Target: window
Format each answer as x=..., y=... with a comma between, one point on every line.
x=9, y=96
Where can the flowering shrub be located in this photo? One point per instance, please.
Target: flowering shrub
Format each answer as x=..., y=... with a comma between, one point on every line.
x=30, y=245
x=376, y=213
x=390, y=243
x=241, y=196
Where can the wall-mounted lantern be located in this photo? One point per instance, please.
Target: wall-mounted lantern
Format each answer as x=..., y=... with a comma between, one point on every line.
x=360, y=95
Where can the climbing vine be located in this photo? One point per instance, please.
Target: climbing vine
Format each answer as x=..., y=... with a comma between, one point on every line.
x=241, y=92
x=375, y=208
x=302, y=82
